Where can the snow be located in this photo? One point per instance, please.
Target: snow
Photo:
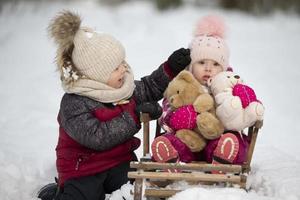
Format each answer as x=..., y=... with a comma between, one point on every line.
x=264, y=50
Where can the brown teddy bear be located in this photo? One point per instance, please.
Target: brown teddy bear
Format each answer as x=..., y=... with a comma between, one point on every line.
x=193, y=117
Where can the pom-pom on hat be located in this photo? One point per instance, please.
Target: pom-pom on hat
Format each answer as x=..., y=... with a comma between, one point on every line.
x=83, y=52
x=209, y=42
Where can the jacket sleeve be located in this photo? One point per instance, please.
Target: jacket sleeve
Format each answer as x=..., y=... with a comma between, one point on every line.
x=152, y=87
x=80, y=124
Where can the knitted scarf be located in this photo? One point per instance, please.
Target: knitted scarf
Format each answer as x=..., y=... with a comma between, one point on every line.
x=100, y=91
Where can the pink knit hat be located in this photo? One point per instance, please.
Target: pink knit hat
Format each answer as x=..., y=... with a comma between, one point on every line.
x=209, y=42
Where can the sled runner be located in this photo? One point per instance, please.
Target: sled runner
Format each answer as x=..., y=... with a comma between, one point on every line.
x=151, y=178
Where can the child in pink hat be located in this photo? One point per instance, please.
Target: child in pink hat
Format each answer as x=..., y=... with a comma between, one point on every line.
x=209, y=56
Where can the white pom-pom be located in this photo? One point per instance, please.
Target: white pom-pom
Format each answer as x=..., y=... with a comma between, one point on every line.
x=211, y=26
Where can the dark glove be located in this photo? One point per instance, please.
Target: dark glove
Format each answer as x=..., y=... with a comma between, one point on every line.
x=179, y=60
x=152, y=108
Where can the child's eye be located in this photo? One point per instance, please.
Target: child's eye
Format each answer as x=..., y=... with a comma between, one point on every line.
x=201, y=62
x=216, y=64
x=177, y=91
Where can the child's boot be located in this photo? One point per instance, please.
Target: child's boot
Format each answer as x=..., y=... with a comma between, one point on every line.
x=49, y=191
x=163, y=151
x=226, y=151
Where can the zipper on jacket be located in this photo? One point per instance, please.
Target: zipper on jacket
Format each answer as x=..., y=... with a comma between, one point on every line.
x=79, y=160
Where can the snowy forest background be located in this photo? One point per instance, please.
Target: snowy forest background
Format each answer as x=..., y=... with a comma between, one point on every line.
x=264, y=39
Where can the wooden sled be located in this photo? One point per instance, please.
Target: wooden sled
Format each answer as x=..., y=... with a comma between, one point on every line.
x=151, y=178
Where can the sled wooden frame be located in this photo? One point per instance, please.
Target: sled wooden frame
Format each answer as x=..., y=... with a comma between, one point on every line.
x=147, y=173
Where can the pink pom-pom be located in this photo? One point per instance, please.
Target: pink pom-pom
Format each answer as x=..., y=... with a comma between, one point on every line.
x=210, y=25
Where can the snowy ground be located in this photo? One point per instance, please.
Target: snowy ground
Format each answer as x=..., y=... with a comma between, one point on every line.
x=263, y=50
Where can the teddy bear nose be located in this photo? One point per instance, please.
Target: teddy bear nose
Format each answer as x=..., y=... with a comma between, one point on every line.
x=237, y=76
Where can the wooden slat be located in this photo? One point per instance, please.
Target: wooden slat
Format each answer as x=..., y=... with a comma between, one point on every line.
x=259, y=124
x=252, y=133
x=157, y=129
x=163, y=193
x=205, y=167
x=243, y=181
x=145, y=118
x=186, y=176
x=138, y=189
x=146, y=138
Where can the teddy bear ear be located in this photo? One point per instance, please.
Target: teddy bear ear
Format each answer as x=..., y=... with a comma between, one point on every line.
x=186, y=75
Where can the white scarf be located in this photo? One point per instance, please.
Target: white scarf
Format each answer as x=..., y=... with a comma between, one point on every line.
x=102, y=92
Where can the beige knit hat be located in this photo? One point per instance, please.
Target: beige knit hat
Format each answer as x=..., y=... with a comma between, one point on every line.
x=209, y=42
x=96, y=55
x=86, y=59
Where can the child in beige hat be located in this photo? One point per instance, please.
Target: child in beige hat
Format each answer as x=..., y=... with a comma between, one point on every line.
x=99, y=113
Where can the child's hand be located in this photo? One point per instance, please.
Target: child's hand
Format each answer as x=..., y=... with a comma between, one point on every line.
x=179, y=60
x=152, y=108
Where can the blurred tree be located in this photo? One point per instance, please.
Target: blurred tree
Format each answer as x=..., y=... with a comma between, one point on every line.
x=166, y=4
x=112, y=2
x=211, y=3
x=2, y=2
x=16, y=2
x=244, y=5
x=261, y=6
x=287, y=5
